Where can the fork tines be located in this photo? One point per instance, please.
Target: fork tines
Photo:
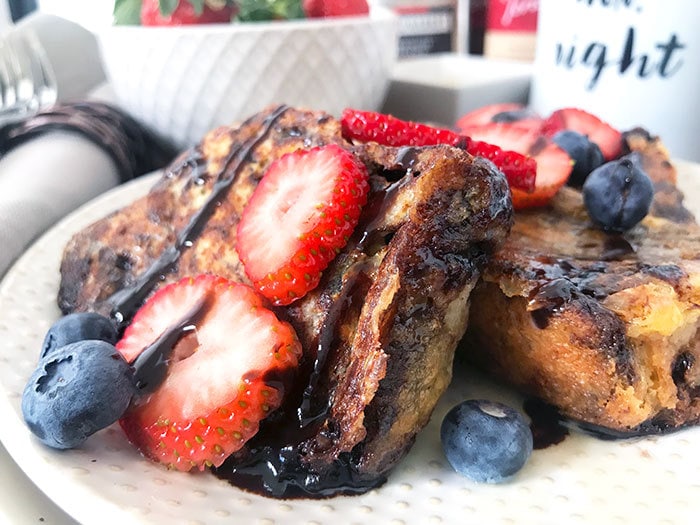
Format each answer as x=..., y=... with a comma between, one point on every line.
x=27, y=81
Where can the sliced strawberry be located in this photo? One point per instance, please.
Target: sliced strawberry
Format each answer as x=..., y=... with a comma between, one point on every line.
x=608, y=139
x=553, y=169
x=300, y=215
x=485, y=114
x=223, y=349
x=185, y=12
x=328, y=8
x=506, y=136
x=369, y=126
x=515, y=141
x=553, y=164
x=519, y=169
x=510, y=113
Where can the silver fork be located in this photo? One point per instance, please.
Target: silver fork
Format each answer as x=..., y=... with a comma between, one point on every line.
x=27, y=81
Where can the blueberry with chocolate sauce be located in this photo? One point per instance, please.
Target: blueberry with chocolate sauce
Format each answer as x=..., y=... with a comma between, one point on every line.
x=618, y=194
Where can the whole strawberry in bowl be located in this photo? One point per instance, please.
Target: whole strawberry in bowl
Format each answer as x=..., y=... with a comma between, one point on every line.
x=185, y=12
x=325, y=8
x=183, y=67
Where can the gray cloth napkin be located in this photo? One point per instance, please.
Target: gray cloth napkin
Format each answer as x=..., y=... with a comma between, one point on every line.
x=44, y=179
x=64, y=156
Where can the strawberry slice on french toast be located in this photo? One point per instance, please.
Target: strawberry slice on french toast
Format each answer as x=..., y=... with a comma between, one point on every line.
x=553, y=164
x=301, y=214
x=208, y=357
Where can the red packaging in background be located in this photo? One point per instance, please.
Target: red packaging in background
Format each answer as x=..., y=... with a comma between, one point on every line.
x=511, y=29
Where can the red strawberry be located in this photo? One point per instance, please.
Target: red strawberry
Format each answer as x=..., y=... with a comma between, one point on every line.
x=367, y=126
x=225, y=346
x=519, y=169
x=371, y=126
x=510, y=113
x=553, y=169
x=485, y=114
x=327, y=8
x=300, y=215
x=507, y=136
x=184, y=14
x=608, y=139
x=553, y=163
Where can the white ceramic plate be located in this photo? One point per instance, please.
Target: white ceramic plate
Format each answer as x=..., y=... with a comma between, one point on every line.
x=650, y=480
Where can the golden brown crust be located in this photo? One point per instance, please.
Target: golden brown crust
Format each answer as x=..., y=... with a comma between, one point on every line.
x=596, y=324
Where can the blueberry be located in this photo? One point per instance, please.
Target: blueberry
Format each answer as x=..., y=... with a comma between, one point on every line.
x=486, y=441
x=77, y=390
x=78, y=327
x=585, y=154
x=618, y=194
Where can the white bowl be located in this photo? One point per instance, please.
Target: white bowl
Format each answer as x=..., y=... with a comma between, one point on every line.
x=183, y=81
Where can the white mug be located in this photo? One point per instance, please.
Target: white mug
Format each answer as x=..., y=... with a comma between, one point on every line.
x=630, y=62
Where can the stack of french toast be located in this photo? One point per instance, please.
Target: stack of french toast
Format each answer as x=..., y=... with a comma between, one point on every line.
x=604, y=326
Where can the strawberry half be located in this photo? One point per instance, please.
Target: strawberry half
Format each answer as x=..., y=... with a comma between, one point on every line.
x=204, y=351
x=185, y=12
x=300, y=215
x=369, y=126
x=553, y=169
x=485, y=114
x=553, y=164
x=608, y=139
x=501, y=112
x=328, y=8
x=505, y=135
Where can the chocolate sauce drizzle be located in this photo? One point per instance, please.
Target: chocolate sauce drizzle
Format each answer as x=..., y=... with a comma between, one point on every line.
x=126, y=301
x=617, y=248
x=327, y=336
x=377, y=209
x=550, y=298
x=550, y=427
x=151, y=365
x=546, y=424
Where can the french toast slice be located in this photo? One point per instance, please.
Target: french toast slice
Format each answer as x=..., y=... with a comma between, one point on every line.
x=604, y=327
x=379, y=332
